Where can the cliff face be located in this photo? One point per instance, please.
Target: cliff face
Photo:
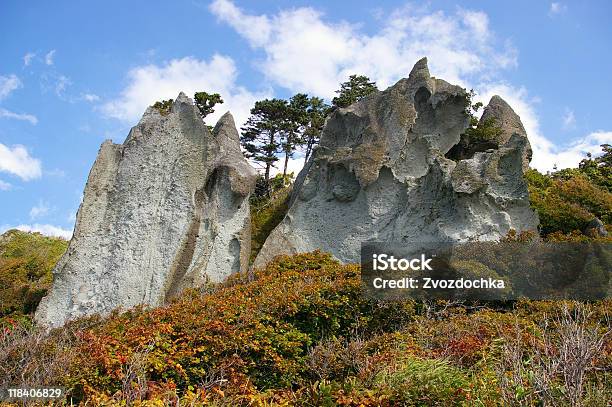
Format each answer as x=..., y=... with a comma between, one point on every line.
x=380, y=174
x=165, y=210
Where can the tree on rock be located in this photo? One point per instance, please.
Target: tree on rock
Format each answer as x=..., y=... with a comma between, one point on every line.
x=356, y=88
x=317, y=111
x=205, y=102
x=278, y=126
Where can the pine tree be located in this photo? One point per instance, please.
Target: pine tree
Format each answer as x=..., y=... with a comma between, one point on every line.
x=205, y=102
x=296, y=121
x=317, y=113
x=357, y=87
x=262, y=135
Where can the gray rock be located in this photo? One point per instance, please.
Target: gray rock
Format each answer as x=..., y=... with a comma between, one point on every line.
x=596, y=228
x=509, y=122
x=380, y=174
x=165, y=210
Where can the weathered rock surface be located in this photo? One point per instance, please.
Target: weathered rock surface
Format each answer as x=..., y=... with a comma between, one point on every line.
x=165, y=210
x=596, y=228
x=509, y=123
x=380, y=174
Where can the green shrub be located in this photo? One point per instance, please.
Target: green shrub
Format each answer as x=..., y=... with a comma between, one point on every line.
x=426, y=382
x=266, y=214
x=567, y=203
x=164, y=106
x=486, y=130
x=26, y=262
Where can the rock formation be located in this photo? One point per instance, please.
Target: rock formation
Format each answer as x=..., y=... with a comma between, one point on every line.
x=380, y=174
x=165, y=210
x=509, y=123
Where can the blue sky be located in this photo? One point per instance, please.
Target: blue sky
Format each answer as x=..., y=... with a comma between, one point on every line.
x=74, y=73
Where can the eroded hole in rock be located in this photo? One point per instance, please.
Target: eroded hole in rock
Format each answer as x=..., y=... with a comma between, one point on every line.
x=476, y=138
x=466, y=148
x=421, y=97
x=344, y=184
x=210, y=182
x=425, y=113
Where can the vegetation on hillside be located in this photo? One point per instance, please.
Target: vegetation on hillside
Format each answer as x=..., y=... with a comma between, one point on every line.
x=267, y=210
x=26, y=261
x=568, y=200
x=300, y=332
x=597, y=170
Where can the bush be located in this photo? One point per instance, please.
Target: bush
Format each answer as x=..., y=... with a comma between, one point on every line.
x=568, y=204
x=300, y=332
x=428, y=382
x=164, y=106
x=258, y=331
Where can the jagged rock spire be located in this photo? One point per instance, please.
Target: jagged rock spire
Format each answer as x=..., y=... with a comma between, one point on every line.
x=420, y=69
x=164, y=211
x=510, y=124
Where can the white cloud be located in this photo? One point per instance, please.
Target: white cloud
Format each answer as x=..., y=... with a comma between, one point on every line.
x=61, y=84
x=49, y=57
x=569, y=120
x=546, y=155
x=556, y=8
x=45, y=229
x=56, y=83
x=5, y=186
x=18, y=116
x=27, y=58
x=572, y=154
x=305, y=53
x=8, y=84
x=40, y=210
x=17, y=161
x=90, y=97
x=256, y=29
x=150, y=83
